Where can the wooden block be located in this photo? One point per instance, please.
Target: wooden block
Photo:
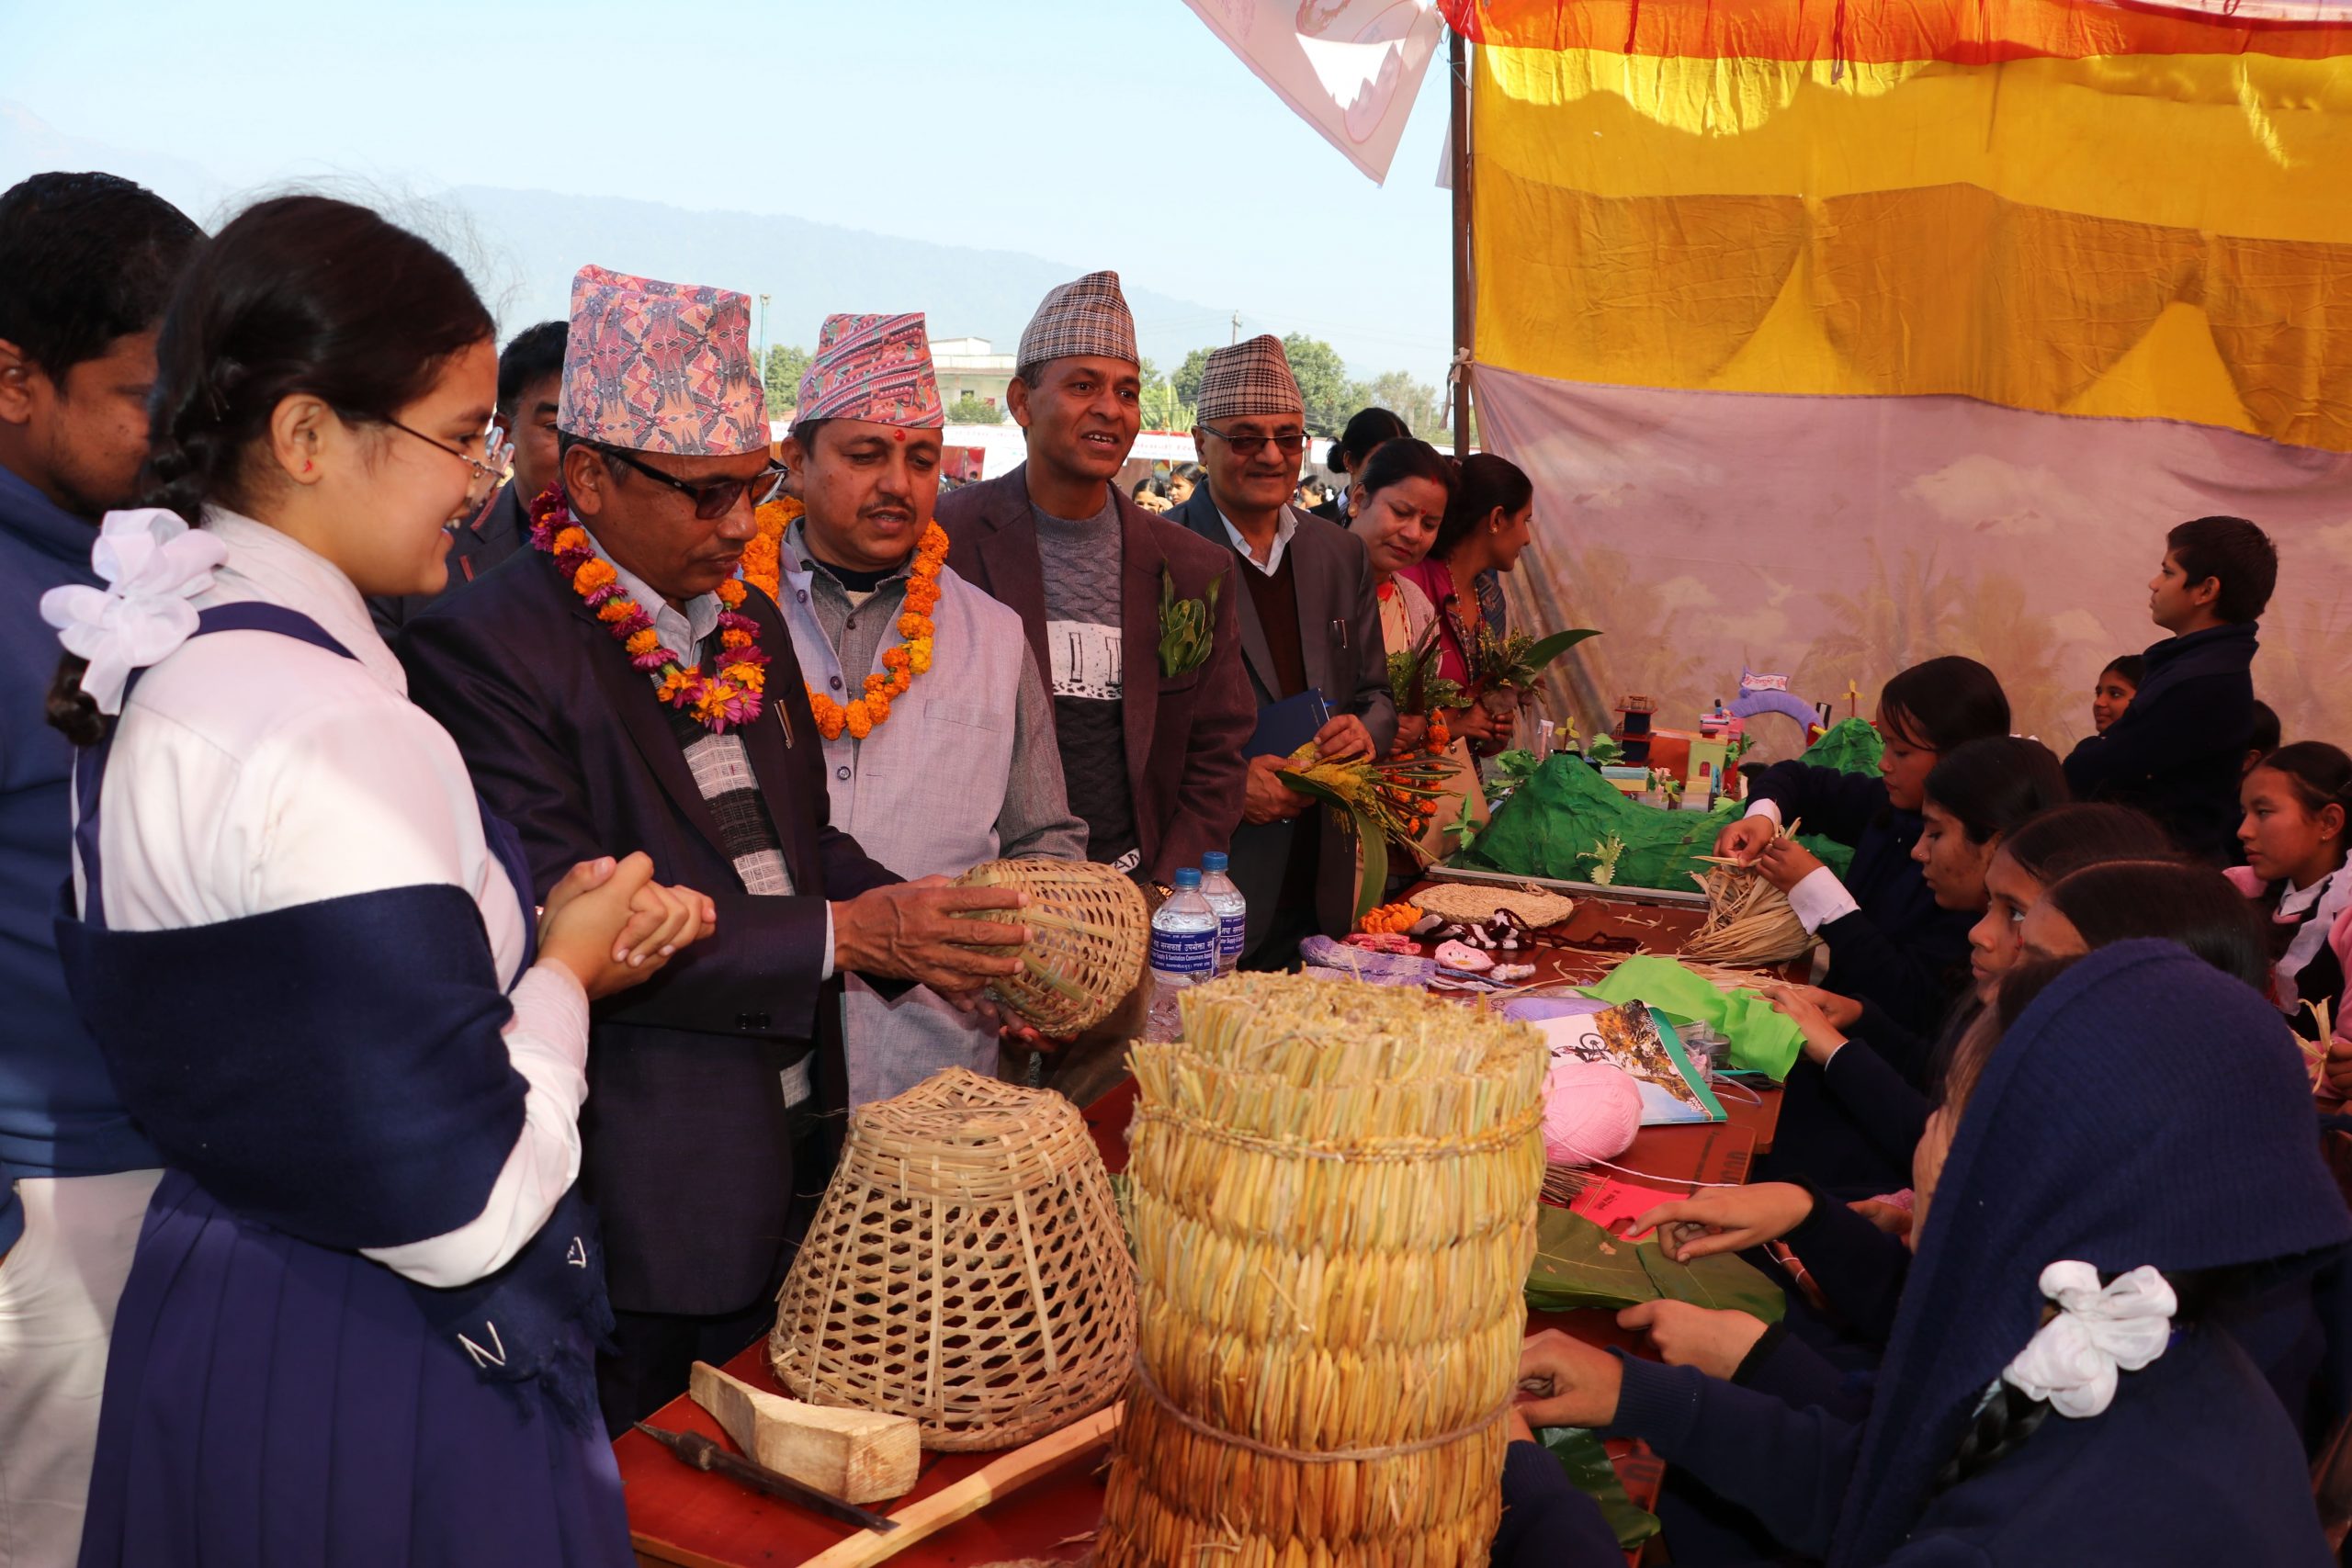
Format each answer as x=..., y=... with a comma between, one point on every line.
x=856, y=1455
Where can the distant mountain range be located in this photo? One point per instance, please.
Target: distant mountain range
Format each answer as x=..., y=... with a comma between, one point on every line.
x=522, y=247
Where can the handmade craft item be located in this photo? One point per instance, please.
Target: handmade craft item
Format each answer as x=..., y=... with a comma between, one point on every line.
x=1748, y=921
x=1467, y=901
x=967, y=1268
x=1089, y=934
x=1334, y=1189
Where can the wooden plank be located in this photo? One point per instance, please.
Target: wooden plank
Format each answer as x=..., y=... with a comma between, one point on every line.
x=858, y=1456
x=998, y=1478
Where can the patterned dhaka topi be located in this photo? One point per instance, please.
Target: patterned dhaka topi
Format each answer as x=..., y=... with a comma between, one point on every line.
x=1249, y=378
x=876, y=369
x=1089, y=317
x=666, y=367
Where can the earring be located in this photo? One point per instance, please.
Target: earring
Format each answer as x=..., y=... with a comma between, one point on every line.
x=306, y=464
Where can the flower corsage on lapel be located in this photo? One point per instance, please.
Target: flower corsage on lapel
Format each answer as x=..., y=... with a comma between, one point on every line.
x=1187, y=628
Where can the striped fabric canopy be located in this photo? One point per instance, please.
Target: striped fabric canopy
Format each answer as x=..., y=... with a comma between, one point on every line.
x=2064, y=206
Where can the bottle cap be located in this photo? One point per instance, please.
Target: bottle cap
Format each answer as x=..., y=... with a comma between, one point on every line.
x=1189, y=877
x=1213, y=861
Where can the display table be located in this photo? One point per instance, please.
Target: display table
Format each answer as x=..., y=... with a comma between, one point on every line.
x=683, y=1517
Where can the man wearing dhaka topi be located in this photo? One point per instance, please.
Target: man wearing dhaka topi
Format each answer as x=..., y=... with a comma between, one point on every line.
x=938, y=733
x=619, y=683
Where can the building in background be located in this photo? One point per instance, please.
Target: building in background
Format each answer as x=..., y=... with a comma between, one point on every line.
x=970, y=367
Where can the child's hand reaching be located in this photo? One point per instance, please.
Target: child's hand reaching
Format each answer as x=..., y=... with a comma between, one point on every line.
x=1786, y=863
x=1823, y=1038
x=1728, y=1219
x=1686, y=1335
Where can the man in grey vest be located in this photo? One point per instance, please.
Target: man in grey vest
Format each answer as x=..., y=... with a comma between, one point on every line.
x=938, y=733
x=1310, y=620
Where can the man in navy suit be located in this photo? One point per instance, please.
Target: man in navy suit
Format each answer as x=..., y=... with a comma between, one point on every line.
x=606, y=688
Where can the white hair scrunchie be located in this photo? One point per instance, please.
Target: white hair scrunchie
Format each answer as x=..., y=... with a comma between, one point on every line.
x=152, y=563
x=2072, y=1360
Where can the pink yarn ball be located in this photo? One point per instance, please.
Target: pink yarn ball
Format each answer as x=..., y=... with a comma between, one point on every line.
x=1591, y=1111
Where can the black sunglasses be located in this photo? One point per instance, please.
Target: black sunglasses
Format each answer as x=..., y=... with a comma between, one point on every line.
x=1250, y=445
x=714, y=499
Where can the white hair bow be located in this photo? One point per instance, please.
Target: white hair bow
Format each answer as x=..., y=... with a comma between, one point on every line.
x=2072, y=1360
x=153, y=563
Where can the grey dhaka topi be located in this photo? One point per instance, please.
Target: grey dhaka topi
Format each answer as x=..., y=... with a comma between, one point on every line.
x=1249, y=379
x=1088, y=317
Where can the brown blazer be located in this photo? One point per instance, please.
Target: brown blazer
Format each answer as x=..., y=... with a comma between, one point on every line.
x=1185, y=733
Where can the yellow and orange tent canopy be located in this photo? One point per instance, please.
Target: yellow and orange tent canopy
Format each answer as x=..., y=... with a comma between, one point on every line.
x=2069, y=206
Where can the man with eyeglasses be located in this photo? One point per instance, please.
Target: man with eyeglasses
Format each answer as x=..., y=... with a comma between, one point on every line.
x=617, y=686
x=1309, y=621
x=938, y=734
x=1149, y=725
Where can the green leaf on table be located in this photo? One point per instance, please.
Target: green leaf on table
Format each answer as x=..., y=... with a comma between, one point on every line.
x=1579, y=1264
x=1723, y=1283
x=1581, y=1454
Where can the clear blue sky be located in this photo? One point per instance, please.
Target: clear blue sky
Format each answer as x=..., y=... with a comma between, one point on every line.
x=1097, y=132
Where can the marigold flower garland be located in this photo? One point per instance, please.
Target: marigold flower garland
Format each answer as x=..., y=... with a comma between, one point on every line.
x=731, y=697
x=763, y=567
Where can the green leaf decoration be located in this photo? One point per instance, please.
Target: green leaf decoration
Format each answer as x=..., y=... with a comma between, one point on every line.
x=1582, y=1455
x=1368, y=833
x=1578, y=1264
x=1543, y=650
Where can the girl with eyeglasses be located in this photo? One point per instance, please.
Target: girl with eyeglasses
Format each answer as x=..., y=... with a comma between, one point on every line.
x=361, y=1318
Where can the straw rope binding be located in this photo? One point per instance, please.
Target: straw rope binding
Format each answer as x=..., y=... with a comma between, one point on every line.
x=1333, y=1192
x=966, y=1268
x=1088, y=932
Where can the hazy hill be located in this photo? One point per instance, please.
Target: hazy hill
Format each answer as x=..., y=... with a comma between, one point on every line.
x=523, y=246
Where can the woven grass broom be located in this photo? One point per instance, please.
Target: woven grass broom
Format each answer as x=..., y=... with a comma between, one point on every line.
x=1333, y=1191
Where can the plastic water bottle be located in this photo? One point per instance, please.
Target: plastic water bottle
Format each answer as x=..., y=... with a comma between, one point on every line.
x=1232, y=909
x=1183, y=952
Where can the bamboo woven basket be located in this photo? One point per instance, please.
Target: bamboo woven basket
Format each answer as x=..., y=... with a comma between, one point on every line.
x=1089, y=935
x=966, y=1268
x=1333, y=1191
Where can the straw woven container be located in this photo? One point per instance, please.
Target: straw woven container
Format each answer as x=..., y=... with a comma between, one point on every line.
x=966, y=1268
x=1748, y=921
x=1333, y=1192
x=1089, y=934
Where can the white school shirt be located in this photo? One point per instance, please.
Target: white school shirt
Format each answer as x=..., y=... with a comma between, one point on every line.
x=252, y=773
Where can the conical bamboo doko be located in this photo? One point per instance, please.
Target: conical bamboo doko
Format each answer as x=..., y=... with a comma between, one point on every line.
x=1334, y=1191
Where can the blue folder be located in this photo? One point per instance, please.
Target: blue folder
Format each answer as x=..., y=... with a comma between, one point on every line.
x=1284, y=726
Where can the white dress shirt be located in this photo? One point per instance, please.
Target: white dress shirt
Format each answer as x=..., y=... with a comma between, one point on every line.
x=252, y=773
x=1819, y=896
x=1284, y=531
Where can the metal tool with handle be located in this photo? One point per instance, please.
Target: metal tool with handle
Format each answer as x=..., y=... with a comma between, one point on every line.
x=706, y=1454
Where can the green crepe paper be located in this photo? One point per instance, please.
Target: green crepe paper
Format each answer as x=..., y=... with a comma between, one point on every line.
x=1761, y=1040
x=1580, y=1453
x=1850, y=745
x=1578, y=1264
x=1552, y=819
x=1551, y=822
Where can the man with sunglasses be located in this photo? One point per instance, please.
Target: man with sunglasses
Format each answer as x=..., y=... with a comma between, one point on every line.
x=1149, y=728
x=1309, y=621
x=617, y=686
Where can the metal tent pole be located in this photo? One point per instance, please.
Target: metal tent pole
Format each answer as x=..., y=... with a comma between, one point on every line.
x=1457, y=54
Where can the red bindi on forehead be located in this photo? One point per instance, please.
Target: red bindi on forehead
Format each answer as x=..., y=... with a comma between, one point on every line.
x=899, y=435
